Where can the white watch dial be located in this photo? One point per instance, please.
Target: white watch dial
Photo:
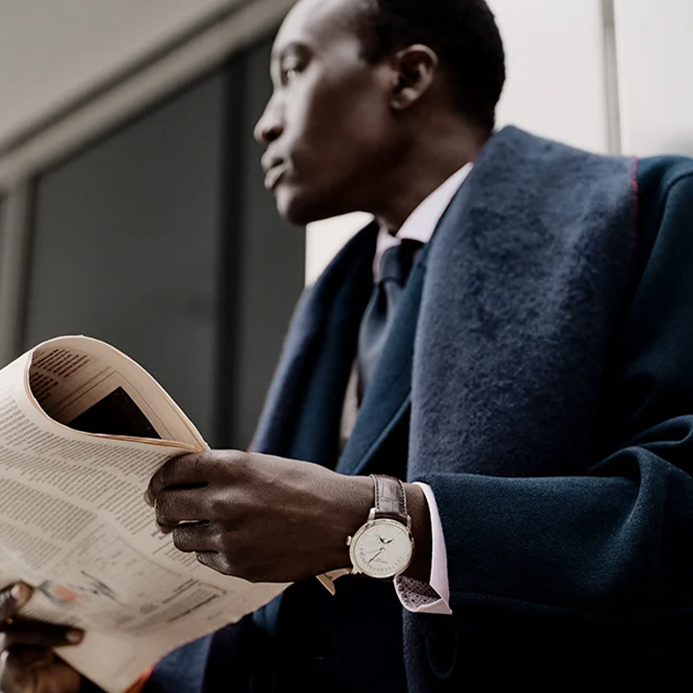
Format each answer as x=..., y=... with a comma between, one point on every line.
x=382, y=548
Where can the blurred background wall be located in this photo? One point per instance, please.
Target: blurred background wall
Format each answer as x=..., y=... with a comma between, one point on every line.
x=131, y=200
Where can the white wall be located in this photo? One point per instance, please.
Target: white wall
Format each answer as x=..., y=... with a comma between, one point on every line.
x=655, y=52
x=325, y=238
x=555, y=64
x=54, y=50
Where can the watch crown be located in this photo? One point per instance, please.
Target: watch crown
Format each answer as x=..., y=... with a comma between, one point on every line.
x=348, y=541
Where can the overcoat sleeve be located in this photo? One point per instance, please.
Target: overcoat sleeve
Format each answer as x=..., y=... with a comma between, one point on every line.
x=620, y=538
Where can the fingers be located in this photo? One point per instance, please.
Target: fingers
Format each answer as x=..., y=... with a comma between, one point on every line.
x=37, y=634
x=186, y=471
x=26, y=659
x=14, y=598
x=196, y=537
x=27, y=662
x=30, y=633
x=174, y=506
x=38, y=670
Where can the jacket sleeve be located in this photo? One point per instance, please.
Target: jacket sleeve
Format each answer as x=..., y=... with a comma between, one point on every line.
x=620, y=538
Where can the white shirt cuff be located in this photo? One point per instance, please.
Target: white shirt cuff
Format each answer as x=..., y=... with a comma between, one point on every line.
x=432, y=597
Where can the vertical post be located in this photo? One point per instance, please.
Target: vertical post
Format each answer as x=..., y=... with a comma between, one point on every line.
x=232, y=254
x=611, y=80
x=14, y=250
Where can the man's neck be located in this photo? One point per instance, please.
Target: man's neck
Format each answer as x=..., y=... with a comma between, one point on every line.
x=425, y=169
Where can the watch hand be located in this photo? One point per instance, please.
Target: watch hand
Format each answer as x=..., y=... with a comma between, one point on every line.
x=375, y=555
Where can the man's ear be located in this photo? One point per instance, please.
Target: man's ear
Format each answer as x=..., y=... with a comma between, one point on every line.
x=414, y=70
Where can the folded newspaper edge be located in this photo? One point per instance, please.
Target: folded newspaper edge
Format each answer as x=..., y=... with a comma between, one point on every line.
x=73, y=522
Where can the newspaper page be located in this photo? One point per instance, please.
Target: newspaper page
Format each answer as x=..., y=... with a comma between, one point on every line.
x=82, y=430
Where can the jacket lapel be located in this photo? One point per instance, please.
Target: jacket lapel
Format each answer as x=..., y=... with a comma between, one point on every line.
x=302, y=416
x=388, y=396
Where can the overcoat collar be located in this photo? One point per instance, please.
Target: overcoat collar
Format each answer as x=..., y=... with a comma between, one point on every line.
x=523, y=283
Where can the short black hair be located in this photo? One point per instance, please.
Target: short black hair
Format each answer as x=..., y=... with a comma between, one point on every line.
x=464, y=36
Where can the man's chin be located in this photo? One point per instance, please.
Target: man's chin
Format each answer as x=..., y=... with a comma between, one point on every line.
x=300, y=210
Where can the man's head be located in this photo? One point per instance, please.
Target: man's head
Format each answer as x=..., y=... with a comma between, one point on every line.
x=363, y=88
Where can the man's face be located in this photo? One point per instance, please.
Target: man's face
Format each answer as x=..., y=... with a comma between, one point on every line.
x=328, y=126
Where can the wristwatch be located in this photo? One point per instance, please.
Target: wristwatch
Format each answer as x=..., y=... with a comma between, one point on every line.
x=384, y=546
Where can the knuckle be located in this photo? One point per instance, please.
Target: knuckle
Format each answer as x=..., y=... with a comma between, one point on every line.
x=200, y=463
x=160, y=480
x=218, y=507
x=234, y=460
x=225, y=506
x=163, y=477
x=221, y=538
x=225, y=540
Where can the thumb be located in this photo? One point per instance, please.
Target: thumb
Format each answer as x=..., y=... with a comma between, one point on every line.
x=14, y=598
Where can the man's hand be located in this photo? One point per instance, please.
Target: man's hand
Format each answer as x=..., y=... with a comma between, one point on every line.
x=27, y=663
x=268, y=519
x=262, y=518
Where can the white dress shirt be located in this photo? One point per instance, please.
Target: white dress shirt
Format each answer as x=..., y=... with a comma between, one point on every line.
x=422, y=222
x=432, y=597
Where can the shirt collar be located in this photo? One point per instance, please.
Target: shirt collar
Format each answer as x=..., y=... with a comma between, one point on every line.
x=422, y=222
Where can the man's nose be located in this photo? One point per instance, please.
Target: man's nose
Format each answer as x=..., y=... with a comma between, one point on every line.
x=269, y=127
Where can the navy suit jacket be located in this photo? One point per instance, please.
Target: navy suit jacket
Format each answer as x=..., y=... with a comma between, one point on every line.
x=539, y=377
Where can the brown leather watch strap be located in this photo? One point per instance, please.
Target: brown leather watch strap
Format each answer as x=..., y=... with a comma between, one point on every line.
x=390, y=499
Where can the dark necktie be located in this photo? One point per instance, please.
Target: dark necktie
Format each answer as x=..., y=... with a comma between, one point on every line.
x=380, y=312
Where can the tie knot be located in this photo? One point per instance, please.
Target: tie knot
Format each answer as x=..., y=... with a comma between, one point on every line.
x=397, y=261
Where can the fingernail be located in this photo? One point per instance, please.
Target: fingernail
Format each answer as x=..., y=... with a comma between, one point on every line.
x=74, y=635
x=21, y=593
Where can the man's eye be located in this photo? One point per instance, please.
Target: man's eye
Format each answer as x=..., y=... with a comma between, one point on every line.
x=290, y=72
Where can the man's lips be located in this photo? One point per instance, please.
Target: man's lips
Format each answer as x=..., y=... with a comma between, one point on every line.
x=273, y=176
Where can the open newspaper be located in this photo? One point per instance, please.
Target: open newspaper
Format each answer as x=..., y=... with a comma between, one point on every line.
x=82, y=430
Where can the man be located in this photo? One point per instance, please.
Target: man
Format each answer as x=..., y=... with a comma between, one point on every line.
x=535, y=378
